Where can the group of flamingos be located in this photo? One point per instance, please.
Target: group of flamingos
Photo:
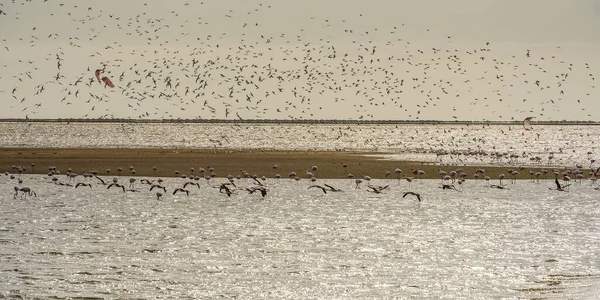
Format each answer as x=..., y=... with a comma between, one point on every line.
x=229, y=187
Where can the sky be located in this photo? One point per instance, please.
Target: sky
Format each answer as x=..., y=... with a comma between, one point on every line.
x=495, y=60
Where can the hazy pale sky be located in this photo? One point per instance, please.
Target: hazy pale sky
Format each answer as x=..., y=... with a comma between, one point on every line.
x=379, y=59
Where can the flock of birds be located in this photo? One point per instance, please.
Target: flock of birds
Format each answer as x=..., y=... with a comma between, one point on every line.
x=452, y=181
x=170, y=66
x=229, y=187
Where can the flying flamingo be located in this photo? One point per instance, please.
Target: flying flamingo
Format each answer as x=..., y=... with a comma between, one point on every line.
x=83, y=184
x=181, y=190
x=116, y=185
x=412, y=193
x=409, y=179
x=319, y=187
x=559, y=187
x=262, y=189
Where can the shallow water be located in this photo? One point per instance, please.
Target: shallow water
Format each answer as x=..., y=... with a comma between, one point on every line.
x=523, y=242
x=557, y=145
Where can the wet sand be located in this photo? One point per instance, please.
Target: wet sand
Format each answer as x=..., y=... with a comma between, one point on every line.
x=225, y=162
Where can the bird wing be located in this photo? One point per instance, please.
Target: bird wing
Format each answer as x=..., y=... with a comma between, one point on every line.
x=101, y=180
x=224, y=187
x=557, y=184
x=318, y=186
x=412, y=193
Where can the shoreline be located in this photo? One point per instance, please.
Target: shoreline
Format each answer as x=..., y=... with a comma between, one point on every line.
x=330, y=164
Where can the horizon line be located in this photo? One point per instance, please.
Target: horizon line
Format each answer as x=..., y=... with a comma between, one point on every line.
x=288, y=121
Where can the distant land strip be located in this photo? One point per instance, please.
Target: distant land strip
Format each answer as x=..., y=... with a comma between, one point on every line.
x=295, y=121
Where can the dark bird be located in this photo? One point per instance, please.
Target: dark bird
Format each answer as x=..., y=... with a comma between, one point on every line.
x=319, y=187
x=262, y=189
x=26, y=191
x=448, y=187
x=224, y=188
x=158, y=186
x=181, y=190
x=117, y=185
x=559, y=187
x=377, y=189
x=83, y=184
x=192, y=183
x=412, y=193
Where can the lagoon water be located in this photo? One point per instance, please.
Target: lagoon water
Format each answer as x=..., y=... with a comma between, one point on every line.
x=526, y=241
x=478, y=243
x=459, y=144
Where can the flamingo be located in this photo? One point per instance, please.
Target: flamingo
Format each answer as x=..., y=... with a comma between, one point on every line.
x=501, y=187
x=397, y=171
x=514, y=176
x=158, y=186
x=26, y=191
x=377, y=189
x=181, y=190
x=412, y=193
x=448, y=187
x=192, y=183
x=319, y=187
x=83, y=184
x=224, y=187
x=565, y=178
x=559, y=187
x=409, y=179
x=262, y=189
x=332, y=189
x=358, y=181
x=116, y=185
x=442, y=174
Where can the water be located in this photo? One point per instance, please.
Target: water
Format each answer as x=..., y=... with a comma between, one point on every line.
x=298, y=243
x=446, y=144
x=523, y=242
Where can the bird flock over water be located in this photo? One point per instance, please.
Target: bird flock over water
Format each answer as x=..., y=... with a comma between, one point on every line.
x=200, y=184
x=231, y=63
